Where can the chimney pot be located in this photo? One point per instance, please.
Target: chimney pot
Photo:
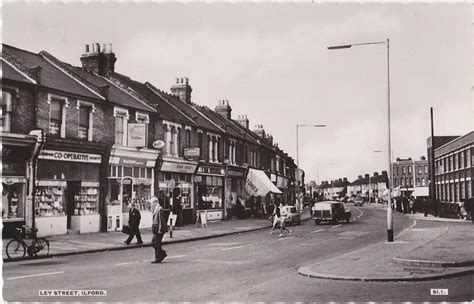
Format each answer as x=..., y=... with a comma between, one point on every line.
x=110, y=48
x=98, y=47
x=87, y=48
x=187, y=80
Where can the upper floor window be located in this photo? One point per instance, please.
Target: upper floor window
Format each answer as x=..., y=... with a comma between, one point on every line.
x=142, y=118
x=86, y=111
x=187, y=139
x=7, y=108
x=57, y=116
x=409, y=170
x=200, y=143
x=419, y=169
x=121, y=123
x=404, y=170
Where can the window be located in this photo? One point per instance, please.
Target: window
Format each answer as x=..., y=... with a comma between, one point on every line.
x=397, y=171
x=455, y=162
x=143, y=119
x=200, y=143
x=56, y=126
x=121, y=122
x=419, y=169
x=187, y=140
x=179, y=145
x=409, y=170
x=7, y=107
x=461, y=160
x=404, y=170
x=423, y=182
x=84, y=123
x=119, y=130
x=417, y=181
x=406, y=181
x=411, y=181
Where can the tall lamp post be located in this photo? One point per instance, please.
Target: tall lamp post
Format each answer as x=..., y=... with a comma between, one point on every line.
x=389, y=208
x=298, y=126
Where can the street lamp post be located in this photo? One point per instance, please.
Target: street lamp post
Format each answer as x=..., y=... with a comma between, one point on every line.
x=297, y=148
x=389, y=208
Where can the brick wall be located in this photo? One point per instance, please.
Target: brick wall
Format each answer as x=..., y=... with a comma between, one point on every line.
x=23, y=108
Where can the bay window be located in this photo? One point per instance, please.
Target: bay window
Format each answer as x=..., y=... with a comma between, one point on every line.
x=7, y=107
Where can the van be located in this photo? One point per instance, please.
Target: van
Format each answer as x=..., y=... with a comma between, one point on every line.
x=330, y=211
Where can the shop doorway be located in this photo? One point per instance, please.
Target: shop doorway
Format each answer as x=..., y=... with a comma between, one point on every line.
x=73, y=189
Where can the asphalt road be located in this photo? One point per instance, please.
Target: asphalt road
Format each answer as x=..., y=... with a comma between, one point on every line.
x=253, y=266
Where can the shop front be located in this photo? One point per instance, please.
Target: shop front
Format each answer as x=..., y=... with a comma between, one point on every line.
x=235, y=182
x=16, y=158
x=209, y=183
x=130, y=180
x=175, y=188
x=67, y=192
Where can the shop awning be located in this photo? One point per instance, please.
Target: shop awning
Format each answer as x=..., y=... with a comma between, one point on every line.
x=258, y=184
x=421, y=191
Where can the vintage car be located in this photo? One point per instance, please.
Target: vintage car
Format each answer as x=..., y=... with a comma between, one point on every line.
x=330, y=211
x=358, y=201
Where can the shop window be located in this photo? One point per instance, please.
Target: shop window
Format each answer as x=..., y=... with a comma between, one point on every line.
x=127, y=171
x=188, y=178
x=149, y=172
x=161, y=176
x=6, y=115
x=13, y=197
x=167, y=176
x=182, y=177
x=136, y=172
x=143, y=173
x=56, y=115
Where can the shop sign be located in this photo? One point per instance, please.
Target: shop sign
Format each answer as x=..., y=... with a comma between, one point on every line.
x=184, y=185
x=52, y=183
x=273, y=178
x=235, y=173
x=10, y=180
x=158, y=144
x=90, y=184
x=197, y=178
x=136, y=135
x=178, y=167
x=132, y=162
x=142, y=181
x=211, y=170
x=192, y=152
x=70, y=156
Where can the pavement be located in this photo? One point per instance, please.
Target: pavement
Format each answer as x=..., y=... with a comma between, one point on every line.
x=417, y=254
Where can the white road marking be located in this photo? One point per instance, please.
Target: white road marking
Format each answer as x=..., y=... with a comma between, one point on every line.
x=285, y=238
x=126, y=263
x=414, y=223
x=336, y=226
x=230, y=248
x=317, y=230
x=361, y=212
x=176, y=256
x=35, y=275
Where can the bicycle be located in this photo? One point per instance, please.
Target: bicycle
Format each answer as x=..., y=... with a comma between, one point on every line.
x=19, y=247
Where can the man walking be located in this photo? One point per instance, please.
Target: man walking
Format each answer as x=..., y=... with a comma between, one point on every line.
x=134, y=218
x=159, y=228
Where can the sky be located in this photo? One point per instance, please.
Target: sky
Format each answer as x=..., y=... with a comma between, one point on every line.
x=270, y=60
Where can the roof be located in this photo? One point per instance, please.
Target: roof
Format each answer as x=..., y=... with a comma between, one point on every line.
x=165, y=110
x=222, y=122
x=116, y=93
x=186, y=109
x=51, y=76
x=9, y=71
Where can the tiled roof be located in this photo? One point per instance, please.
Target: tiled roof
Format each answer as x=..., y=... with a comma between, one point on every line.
x=186, y=109
x=51, y=76
x=116, y=93
x=9, y=71
x=165, y=109
x=222, y=122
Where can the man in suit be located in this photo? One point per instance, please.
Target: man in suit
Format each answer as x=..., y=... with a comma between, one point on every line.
x=134, y=218
x=159, y=228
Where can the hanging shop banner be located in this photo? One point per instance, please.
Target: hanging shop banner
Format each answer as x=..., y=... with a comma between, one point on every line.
x=136, y=135
x=177, y=167
x=70, y=156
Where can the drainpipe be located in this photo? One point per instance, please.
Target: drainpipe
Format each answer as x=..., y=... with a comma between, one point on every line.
x=33, y=162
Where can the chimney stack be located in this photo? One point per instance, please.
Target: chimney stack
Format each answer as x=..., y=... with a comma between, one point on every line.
x=367, y=176
x=223, y=108
x=182, y=89
x=243, y=121
x=259, y=131
x=97, y=60
x=376, y=174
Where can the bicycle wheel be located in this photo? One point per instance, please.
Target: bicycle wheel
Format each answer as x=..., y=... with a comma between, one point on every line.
x=41, y=247
x=15, y=249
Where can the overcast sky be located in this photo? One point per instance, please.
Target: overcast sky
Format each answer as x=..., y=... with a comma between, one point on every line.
x=270, y=61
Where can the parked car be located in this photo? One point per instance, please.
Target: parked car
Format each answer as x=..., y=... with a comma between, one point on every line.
x=292, y=215
x=358, y=201
x=330, y=211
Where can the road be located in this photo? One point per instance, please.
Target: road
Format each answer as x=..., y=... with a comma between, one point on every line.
x=253, y=266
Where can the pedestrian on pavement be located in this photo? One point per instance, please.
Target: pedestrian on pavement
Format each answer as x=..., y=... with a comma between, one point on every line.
x=134, y=218
x=276, y=217
x=283, y=215
x=412, y=205
x=159, y=228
